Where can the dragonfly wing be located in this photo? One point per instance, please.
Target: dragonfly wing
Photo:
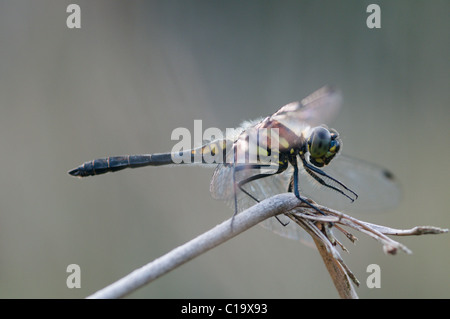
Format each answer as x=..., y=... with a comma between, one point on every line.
x=377, y=188
x=222, y=188
x=320, y=107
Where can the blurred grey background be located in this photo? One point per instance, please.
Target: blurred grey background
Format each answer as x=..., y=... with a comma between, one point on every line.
x=136, y=70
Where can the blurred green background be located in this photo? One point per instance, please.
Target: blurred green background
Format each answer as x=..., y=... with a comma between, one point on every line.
x=136, y=70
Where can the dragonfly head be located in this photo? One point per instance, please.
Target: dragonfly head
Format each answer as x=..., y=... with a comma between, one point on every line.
x=323, y=145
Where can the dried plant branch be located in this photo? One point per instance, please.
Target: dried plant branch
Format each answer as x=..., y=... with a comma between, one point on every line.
x=339, y=272
x=326, y=243
x=317, y=225
x=199, y=245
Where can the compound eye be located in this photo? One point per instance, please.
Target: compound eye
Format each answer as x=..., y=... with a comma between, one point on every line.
x=319, y=142
x=335, y=146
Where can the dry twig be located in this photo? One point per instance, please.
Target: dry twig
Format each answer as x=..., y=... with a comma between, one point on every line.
x=318, y=226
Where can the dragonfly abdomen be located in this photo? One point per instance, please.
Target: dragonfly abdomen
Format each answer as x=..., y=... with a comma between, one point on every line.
x=117, y=163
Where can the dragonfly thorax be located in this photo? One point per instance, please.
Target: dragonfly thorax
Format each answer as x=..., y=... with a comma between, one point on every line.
x=323, y=145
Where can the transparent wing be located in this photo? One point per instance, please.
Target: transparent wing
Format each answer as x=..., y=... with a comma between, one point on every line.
x=377, y=188
x=320, y=107
x=222, y=188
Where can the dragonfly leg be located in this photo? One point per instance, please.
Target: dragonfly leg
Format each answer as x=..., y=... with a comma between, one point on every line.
x=296, y=191
x=250, y=179
x=313, y=171
x=235, y=193
x=253, y=178
x=280, y=169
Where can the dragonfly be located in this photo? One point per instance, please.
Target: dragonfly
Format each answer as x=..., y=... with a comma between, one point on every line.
x=292, y=150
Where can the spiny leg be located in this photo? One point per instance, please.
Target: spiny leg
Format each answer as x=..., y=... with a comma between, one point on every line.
x=278, y=168
x=235, y=193
x=310, y=169
x=254, y=178
x=322, y=182
x=293, y=161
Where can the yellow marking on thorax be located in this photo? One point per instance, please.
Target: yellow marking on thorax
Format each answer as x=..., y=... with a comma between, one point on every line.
x=283, y=142
x=262, y=151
